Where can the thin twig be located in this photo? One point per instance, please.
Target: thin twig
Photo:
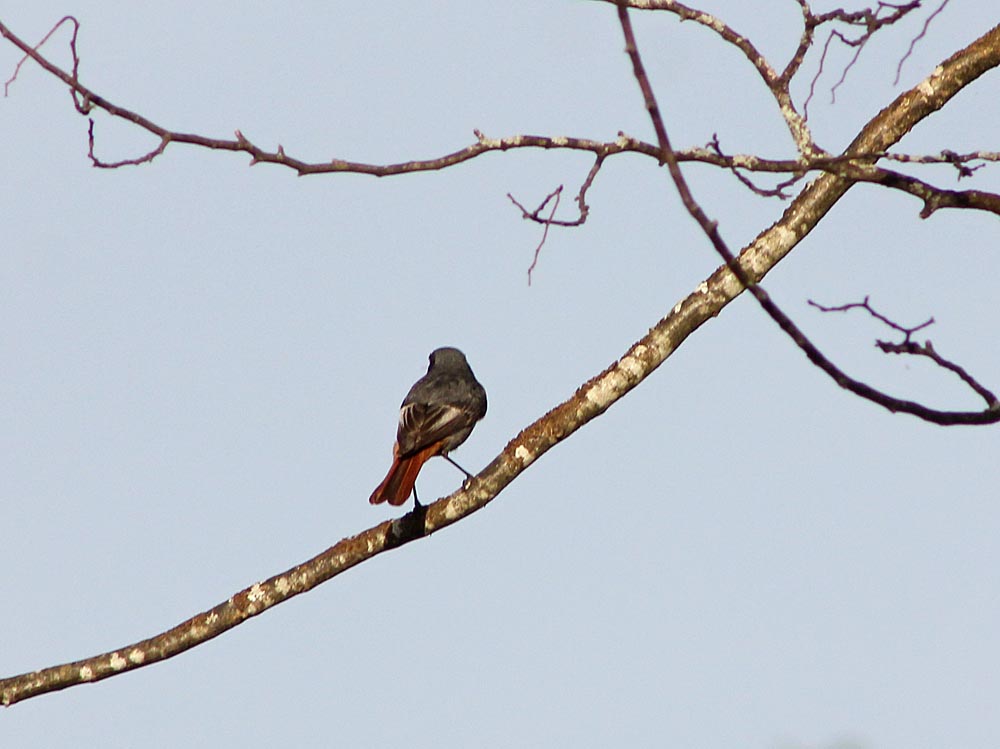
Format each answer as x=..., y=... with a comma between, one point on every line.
x=545, y=231
x=865, y=305
x=86, y=100
x=868, y=18
x=914, y=40
x=27, y=54
x=778, y=191
x=909, y=346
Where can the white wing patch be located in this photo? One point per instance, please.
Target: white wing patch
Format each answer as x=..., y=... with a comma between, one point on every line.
x=421, y=424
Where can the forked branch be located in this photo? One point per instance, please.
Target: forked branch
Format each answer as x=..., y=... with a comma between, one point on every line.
x=910, y=347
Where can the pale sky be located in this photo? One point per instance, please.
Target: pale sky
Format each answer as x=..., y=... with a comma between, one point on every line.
x=203, y=363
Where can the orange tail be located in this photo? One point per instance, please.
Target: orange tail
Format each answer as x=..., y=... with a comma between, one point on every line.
x=397, y=485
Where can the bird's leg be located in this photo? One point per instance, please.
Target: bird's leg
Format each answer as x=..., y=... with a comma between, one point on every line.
x=468, y=476
x=416, y=499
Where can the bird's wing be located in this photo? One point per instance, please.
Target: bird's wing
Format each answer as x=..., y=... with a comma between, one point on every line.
x=423, y=424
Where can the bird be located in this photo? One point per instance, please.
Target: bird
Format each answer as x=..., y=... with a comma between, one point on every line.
x=435, y=417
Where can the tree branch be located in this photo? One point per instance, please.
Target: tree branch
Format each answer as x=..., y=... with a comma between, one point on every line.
x=777, y=84
x=865, y=305
x=909, y=346
x=546, y=222
x=868, y=19
x=592, y=399
x=987, y=53
x=87, y=100
x=934, y=197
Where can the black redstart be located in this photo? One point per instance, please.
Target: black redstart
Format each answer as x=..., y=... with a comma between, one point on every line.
x=436, y=416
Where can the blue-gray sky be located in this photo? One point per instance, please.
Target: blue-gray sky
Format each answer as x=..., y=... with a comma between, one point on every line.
x=202, y=365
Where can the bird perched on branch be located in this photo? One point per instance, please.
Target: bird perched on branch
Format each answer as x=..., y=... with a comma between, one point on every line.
x=436, y=416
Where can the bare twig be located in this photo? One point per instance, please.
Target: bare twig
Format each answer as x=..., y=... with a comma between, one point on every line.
x=27, y=53
x=927, y=349
x=551, y=220
x=545, y=234
x=868, y=19
x=859, y=45
x=907, y=332
x=535, y=215
x=805, y=43
x=86, y=100
x=917, y=38
x=546, y=222
x=581, y=196
x=778, y=191
x=958, y=160
x=581, y=201
x=934, y=198
x=777, y=84
x=911, y=347
x=815, y=78
x=959, y=163
x=146, y=158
